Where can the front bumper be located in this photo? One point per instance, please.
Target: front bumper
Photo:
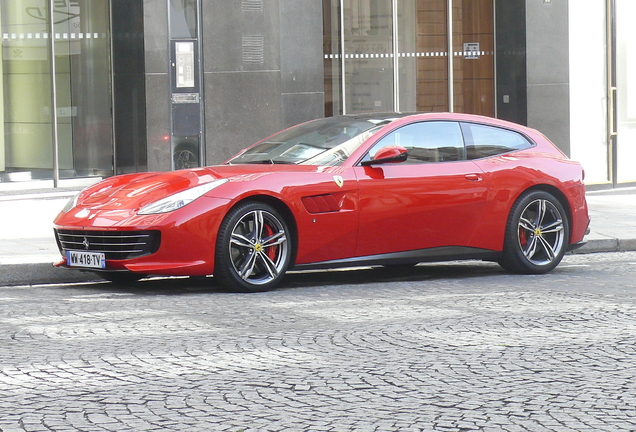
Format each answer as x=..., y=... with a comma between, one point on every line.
x=187, y=237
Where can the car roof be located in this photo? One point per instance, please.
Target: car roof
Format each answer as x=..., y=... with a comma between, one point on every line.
x=389, y=117
x=378, y=116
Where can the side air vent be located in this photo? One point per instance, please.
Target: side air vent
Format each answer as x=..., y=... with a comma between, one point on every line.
x=321, y=204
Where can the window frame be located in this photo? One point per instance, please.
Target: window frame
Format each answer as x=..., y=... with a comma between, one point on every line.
x=462, y=158
x=469, y=140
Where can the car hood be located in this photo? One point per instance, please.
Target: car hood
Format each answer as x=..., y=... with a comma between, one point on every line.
x=133, y=191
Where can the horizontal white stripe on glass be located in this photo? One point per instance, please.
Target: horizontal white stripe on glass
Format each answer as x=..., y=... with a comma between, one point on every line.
x=409, y=55
x=58, y=36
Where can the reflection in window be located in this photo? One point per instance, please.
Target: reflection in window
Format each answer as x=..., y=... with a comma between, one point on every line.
x=483, y=141
x=83, y=96
x=337, y=155
x=308, y=140
x=183, y=19
x=432, y=141
x=26, y=140
x=626, y=90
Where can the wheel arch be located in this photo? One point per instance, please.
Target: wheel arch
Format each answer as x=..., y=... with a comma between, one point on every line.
x=559, y=195
x=284, y=211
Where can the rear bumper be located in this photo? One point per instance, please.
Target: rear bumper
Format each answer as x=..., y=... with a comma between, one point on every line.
x=579, y=244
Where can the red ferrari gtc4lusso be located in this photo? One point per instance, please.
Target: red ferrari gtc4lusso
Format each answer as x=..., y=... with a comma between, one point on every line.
x=373, y=189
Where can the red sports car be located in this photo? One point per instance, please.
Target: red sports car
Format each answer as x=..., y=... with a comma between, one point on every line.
x=373, y=189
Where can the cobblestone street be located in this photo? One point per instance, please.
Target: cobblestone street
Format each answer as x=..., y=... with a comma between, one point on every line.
x=458, y=346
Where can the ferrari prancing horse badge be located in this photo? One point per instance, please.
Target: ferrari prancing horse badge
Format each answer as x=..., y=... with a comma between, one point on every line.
x=339, y=181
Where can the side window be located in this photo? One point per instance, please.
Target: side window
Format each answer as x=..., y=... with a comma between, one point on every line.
x=483, y=141
x=429, y=141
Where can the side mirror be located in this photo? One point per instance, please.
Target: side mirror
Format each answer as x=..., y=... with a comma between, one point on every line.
x=388, y=154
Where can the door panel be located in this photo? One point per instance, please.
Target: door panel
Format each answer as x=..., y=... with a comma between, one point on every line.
x=408, y=207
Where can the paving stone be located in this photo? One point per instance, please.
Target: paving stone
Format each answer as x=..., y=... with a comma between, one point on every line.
x=457, y=346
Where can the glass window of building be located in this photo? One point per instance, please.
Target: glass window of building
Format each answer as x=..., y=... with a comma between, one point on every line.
x=80, y=85
x=400, y=55
x=588, y=89
x=626, y=90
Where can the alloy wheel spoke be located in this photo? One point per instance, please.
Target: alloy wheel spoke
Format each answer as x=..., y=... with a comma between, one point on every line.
x=532, y=248
x=248, y=266
x=541, y=210
x=241, y=240
x=548, y=248
x=274, y=240
x=526, y=224
x=258, y=226
x=268, y=264
x=555, y=226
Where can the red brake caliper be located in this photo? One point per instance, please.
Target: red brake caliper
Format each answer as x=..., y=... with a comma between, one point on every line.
x=523, y=239
x=271, y=251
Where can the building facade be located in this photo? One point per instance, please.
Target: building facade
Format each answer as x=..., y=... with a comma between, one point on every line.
x=93, y=88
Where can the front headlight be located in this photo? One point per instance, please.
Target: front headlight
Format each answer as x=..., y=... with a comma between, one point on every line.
x=178, y=200
x=71, y=203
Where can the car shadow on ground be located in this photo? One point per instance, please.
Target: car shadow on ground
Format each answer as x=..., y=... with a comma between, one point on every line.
x=391, y=274
x=308, y=279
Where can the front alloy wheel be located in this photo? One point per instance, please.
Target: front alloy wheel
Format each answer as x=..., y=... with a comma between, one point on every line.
x=537, y=234
x=253, y=248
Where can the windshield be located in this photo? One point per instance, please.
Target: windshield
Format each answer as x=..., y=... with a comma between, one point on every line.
x=320, y=142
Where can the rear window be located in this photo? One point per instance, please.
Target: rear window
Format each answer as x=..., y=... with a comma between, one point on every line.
x=483, y=141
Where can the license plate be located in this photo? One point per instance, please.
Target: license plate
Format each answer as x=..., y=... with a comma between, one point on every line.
x=86, y=259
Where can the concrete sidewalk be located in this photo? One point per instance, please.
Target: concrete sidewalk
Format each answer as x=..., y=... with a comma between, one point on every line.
x=28, y=248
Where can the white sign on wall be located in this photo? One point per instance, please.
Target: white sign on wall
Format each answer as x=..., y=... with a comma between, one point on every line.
x=471, y=50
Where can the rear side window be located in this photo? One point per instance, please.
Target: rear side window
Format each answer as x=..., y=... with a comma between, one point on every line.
x=483, y=141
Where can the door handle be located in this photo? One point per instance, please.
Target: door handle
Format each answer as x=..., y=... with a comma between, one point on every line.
x=473, y=177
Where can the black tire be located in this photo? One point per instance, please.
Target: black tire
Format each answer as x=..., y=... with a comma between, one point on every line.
x=121, y=277
x=253, y=248
x=537, y=234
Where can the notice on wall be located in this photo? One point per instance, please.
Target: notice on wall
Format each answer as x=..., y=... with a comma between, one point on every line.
x=471, y=50
x=185, y=64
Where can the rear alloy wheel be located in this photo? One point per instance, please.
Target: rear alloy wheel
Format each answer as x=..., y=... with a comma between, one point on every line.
x=536, y=235
x=253, y=248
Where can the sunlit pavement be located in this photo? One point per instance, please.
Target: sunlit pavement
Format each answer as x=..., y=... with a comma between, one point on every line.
x=439, y=347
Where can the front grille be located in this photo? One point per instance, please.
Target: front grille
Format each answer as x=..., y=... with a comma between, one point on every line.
x=116, y=245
